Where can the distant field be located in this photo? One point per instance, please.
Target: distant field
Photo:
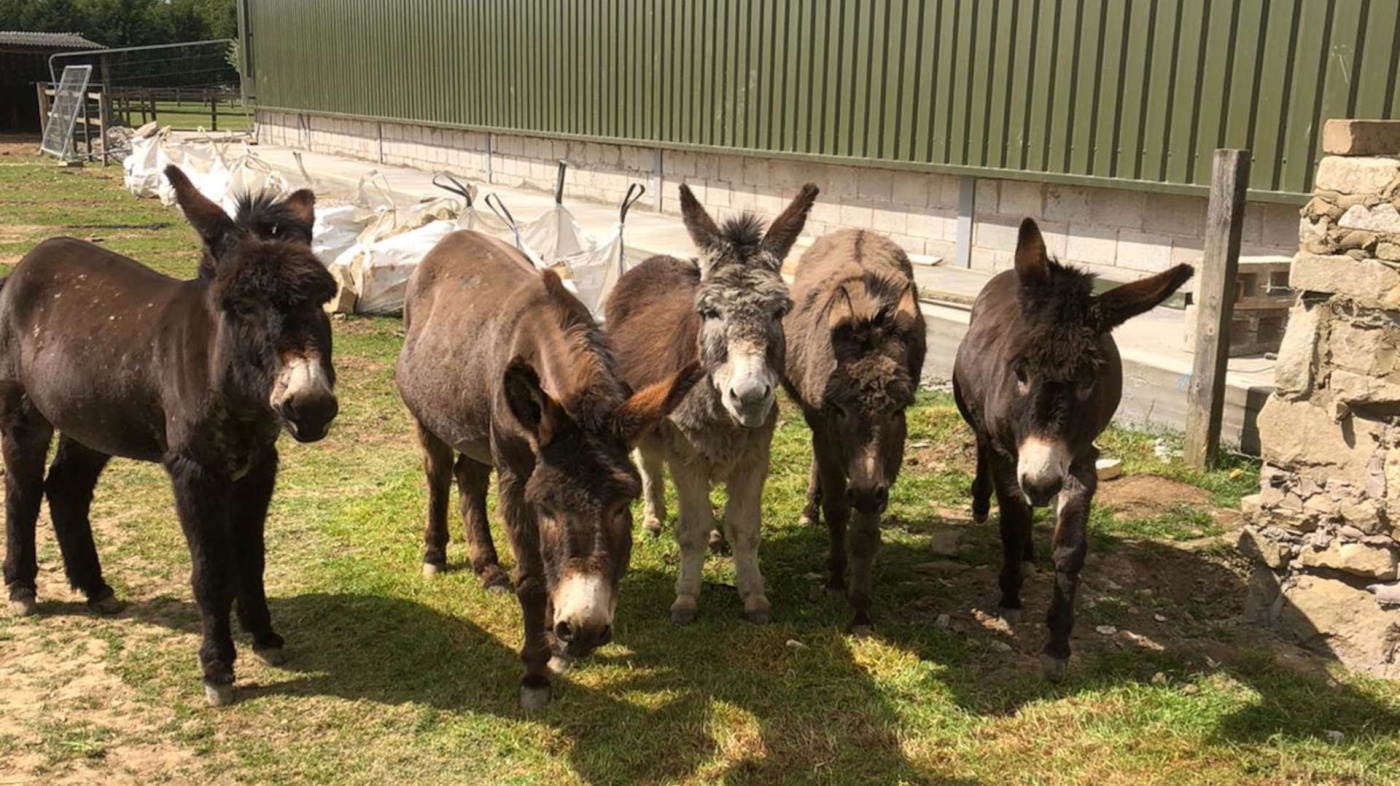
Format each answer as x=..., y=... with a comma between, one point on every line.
x=394, y=678
x=190, y=115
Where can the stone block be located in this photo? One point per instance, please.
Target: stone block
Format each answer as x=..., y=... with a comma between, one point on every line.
x=987, y=197
x=1020, y=198
x=1367, y=281
x=1093, y=245
x=1252, y=543
x=1173, y=214
x=1382, y=219
x=875, y=185
x=1333, y=617
x=1069, y=204
x=1355, y=175
x=1298, y=434
x=1361, y=347
x=856, y=216
x=756, y=172
x=1390, y=252
x=838, y=183
x=1297, y=354
x=889, y=221
x=1142, y=251
x=930, y=226
x=1361, y=137
x=1118, y=208
x=1279, y=227
x=1358, y=559
x=995, y=236
x=1364, y=390
x=911, y=189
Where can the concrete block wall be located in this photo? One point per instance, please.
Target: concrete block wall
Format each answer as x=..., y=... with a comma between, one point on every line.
x=1116, y=233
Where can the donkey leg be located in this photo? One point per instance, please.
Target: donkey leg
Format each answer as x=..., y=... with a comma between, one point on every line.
x=743, y=515
x=982, y=484
x=837, y=512
x=202, y=501
x=1015, y=529
x=692, y=535
x=1068, y=550
x=811, y=512
x=72, y=477
x=437, y=465
x=530, y=588
x=651, y=460
x=247, y=520
x=25, y=436
x=864, y=540
x=473, y=480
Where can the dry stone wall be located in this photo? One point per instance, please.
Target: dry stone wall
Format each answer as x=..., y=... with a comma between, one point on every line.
x=1325, y=526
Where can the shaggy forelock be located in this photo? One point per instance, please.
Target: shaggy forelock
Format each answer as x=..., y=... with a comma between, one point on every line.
x=260, y=212
x=743, y=288
x=872, y=384
x=1062, y=342
x=282, y=273
x=739, y=243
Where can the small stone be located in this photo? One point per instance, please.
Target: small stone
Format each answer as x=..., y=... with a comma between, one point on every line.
x=1333, y=736
x=944, y=621
x=1350, y=557
x=1159, y=679
x=1108, y=468
x=1190, y=689
x=1351, y=532
x=1160, y=617
x=1001, y=646
x=945, y=542
x=1106, y=630
x=794, y=644
x=1386, y=594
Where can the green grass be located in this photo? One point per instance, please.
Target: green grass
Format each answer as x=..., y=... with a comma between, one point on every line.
x=395, y=678
x=190, y=115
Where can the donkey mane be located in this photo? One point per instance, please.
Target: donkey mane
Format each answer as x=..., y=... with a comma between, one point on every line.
x=1062, y=336
x=265, y=209
x=284, y=273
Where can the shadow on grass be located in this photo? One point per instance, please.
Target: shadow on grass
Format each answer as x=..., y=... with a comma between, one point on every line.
x=655, y=719
x=1202, y=630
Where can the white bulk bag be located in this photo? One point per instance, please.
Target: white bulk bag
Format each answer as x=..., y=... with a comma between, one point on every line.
x=379, y=270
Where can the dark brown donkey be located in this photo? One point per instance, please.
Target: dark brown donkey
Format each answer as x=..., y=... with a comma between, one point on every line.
x=1038, y=377
x=198, y=375
x=855, y=351
x=503, y=366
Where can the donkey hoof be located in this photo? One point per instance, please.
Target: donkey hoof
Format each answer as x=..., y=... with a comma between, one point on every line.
x=979, y=518
x=807, y=519
x=1054, y=668
x=495, y=580
x=431, y=569
x=534, y=697
x=23, y=607
x=1011, y=616
x=107, y=604
x=219, y=695
x=652, y=528
x=682, y=613
x=272, y=656
x=761, y=615
x=560, y=663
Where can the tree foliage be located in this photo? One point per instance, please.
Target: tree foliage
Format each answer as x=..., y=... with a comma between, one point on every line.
x=116, y=23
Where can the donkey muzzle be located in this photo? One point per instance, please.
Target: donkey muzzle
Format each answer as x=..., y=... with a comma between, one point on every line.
x=583, y=613
x=1041, y=466
x=303, y=398
x=869, y=499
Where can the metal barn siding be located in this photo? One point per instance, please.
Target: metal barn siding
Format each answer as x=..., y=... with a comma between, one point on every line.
x=1129, y=93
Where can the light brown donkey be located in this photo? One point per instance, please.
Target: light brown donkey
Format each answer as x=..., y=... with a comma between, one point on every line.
x=503, y=366
x=855, y=351
x=725, y=310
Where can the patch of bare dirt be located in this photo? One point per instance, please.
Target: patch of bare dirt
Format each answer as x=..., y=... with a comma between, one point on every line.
x=1145, y=496
x=957, y=453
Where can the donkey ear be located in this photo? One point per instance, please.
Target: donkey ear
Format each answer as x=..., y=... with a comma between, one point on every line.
x=302, y=205
x=1032, y=263
x=698, y=223
x=1120, y=304
x=783, y=232
x=649, y=405
x=906, y=312
x=531, y=407
x=841, y=311
x=207, y=218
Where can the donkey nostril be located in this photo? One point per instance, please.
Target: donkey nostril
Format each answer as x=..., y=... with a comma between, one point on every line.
x=563, y=632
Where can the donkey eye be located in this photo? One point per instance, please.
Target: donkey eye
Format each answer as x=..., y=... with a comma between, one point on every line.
x=782, y=311
x=709, y=313
x=1019, y=369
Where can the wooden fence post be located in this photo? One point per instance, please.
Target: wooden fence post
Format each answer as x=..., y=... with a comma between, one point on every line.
x=1215, y=305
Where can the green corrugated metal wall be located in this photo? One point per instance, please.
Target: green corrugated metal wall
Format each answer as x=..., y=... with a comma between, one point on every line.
x=1068, y=90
